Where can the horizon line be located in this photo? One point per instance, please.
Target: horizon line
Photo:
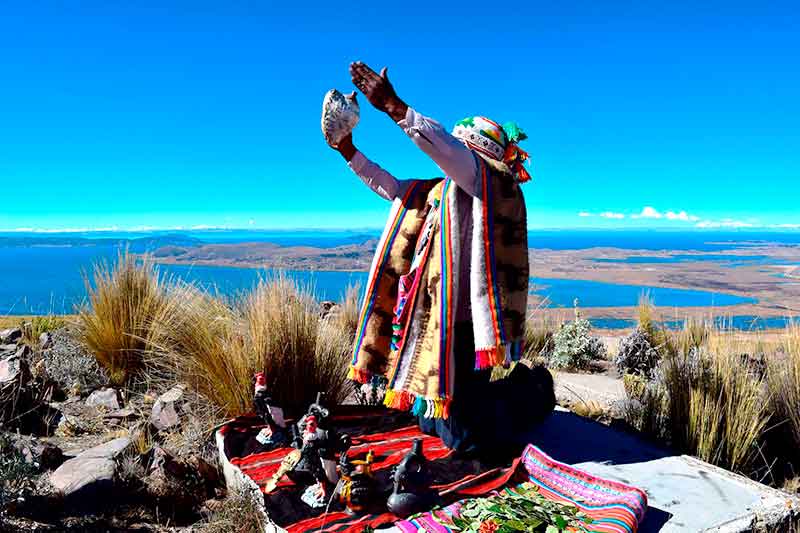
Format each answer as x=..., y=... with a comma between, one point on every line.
x=198, y=228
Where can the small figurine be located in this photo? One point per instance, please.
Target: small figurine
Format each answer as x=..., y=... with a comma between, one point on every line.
x=412, y=492
x=274, y=433
x=357, y=487
x=318, y=447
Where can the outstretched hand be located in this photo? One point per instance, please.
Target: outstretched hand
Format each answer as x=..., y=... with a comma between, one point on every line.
x=378, y=90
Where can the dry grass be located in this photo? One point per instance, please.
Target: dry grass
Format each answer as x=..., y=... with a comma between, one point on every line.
x=124, y=299
x=539, y=333
x=784, y=382
x=276, y=328
x=237, y=513
x=15, y=321
x=709, y=400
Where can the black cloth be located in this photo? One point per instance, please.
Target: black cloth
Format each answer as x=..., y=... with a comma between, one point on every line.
x=489, y=420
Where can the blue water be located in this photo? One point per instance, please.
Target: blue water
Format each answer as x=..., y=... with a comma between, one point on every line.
x=37, y=279
x=45, y=279
x=563, y=292
x=698, y=240
x=682, y=258
x=740, y=322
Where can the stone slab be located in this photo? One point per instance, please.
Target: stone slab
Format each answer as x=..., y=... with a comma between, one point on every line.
x=684, y=493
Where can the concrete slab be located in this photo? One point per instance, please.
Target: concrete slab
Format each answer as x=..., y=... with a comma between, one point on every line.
x=684, y=494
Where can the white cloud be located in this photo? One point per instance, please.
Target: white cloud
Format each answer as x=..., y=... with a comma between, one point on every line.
x=611, y=214
x=585, y=214
x=648, y=212
x=724, y=223
x=786, y=226
x=683, y=215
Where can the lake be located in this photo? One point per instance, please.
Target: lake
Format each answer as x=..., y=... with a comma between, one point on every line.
x=48, y=279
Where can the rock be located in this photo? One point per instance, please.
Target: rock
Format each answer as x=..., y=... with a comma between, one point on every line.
x=91, y=472
x=11, y=335
x=12, y=370
x=168, y=409
x=70, y=426
x=181, y=483
x=122, y=414
x=104, y=399
x=42, y=455
x=45, y=340
x=8, y=349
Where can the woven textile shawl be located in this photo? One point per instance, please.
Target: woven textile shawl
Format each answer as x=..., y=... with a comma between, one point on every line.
x=419, y=367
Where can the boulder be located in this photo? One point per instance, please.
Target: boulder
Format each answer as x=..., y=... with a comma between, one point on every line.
x=90, y=473
x=169, y=408
x=11, y=335
x=104, y=399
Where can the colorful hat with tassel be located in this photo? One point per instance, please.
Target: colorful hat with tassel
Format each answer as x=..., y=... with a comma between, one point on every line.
x=496, y=142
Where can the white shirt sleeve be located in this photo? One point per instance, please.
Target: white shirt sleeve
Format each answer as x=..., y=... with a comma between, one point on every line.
x=456, y=160
x=376, y=178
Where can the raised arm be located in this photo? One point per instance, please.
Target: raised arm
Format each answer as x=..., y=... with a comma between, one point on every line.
x=375, y=177
x=455, y=159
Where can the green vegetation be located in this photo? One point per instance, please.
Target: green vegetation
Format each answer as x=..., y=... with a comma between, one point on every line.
x=574, y=347
x=521, y=510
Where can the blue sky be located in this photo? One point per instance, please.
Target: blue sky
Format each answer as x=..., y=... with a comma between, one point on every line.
x=182, y=114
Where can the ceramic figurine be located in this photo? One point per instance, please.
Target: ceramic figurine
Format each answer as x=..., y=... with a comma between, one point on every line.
x=411, y=492
x=274, y=433
x=318, y=449
x=357, y=486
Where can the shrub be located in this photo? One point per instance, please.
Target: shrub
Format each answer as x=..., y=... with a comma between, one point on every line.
x=124, y=299
x=276, y=329
x=636, y=355
x=574, y=347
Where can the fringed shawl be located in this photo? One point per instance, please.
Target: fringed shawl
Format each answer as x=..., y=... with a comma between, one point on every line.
x=419, y=364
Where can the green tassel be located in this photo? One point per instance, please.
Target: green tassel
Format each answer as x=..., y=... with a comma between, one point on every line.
x=514, y=132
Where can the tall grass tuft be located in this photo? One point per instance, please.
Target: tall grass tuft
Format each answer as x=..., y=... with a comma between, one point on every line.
x=784, y=381
x=276, y=328
x=709, y=402
x=124, y=297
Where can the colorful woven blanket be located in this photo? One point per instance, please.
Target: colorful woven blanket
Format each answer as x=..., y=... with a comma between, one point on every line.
x=405, y=330
x=613, y=507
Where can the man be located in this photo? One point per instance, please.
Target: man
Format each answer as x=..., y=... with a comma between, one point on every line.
x=447, y=293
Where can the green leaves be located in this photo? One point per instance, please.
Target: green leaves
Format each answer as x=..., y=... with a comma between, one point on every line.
x=519, y=510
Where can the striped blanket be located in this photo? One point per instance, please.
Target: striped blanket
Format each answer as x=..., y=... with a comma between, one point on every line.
x=613, y=507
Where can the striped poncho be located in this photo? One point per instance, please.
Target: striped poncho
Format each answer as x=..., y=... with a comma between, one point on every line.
x=406, y=324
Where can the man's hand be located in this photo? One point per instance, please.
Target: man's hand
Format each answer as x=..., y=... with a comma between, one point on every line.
x=346, y=147
x=378, y=90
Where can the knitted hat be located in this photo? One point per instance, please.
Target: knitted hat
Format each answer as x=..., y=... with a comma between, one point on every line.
x=499, y=143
